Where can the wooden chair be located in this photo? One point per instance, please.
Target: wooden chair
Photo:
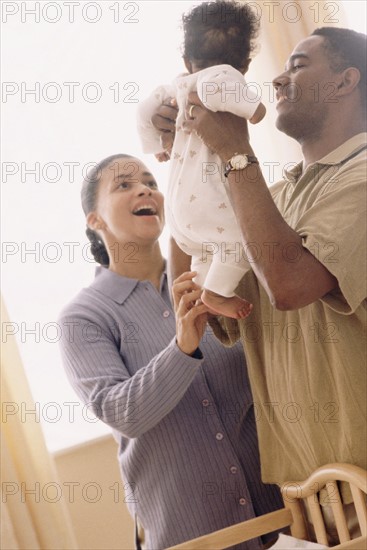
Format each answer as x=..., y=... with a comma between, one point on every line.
x=295, y=494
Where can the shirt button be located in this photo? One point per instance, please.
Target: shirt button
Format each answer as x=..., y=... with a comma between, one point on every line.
x=242, y=501
x=233, y=469
x=166, y=313
x=205, y=402
x=219, y=436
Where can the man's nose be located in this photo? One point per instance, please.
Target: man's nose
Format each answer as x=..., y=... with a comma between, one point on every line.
x=280, y=80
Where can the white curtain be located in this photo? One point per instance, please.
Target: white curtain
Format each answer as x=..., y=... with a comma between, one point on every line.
x=33, y=509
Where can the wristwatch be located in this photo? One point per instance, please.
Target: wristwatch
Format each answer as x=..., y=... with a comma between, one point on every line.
x=239, y=162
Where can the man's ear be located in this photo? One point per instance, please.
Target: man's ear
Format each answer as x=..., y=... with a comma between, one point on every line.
x=348, y=81
x=94, y=221
x=188, y=64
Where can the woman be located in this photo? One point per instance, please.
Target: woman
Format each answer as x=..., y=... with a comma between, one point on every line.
x=183, y=416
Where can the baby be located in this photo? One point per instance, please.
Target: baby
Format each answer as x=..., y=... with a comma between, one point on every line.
x=218, y=40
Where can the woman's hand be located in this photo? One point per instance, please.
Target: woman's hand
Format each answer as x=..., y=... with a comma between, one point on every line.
x=191, y=313
x=223, y=133
x=164, y=120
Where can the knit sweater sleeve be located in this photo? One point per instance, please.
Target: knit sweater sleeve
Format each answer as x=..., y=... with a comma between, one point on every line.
x=129, y=403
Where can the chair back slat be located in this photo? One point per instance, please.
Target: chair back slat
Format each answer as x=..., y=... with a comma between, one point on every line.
x=335, y=502
x=360, y=504
x=299, y=525
x=317, y=519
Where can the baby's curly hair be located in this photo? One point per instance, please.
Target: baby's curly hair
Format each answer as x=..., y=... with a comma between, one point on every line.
x=220, y=32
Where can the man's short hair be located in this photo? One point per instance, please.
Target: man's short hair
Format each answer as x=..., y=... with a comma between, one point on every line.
x=346, y=48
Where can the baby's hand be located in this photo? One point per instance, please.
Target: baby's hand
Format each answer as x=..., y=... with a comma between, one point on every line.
x=162, y=157
x=258, y=114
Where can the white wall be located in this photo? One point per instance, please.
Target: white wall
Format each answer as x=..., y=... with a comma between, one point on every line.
x=91, y=484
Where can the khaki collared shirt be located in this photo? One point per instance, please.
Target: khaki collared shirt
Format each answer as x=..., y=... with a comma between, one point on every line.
x=308, y=366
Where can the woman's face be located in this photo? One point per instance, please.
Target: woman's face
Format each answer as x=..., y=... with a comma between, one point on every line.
x=129, y=205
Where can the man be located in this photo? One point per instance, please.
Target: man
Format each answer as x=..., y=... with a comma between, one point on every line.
x=305, y=241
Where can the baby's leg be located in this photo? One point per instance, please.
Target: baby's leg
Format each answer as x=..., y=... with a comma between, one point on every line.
x=227, y=269
x=234, y=306
x=201, y=267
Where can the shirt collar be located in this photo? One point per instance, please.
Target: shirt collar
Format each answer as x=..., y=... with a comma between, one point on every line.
x=345, y=150
x=336, y=156
x=117, y=287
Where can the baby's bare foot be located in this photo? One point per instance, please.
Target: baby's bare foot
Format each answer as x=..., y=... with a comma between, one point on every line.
x=234, y=307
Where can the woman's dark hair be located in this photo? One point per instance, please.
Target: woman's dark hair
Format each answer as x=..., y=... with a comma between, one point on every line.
x=346, y=48
x=220, y=32
x=89, y=202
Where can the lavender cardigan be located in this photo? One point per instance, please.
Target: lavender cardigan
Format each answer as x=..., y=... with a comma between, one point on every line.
x=185, y=425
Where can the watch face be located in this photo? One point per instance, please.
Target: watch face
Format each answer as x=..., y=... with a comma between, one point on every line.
x=239, y=162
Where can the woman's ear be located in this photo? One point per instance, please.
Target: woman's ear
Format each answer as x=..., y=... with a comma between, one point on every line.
x=94, y=221
x=188, y=64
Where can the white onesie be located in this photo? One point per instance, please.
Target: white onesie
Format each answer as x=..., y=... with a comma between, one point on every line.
x=198, y=210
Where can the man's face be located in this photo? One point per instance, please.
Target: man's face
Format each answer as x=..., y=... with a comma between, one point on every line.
x=306, y=90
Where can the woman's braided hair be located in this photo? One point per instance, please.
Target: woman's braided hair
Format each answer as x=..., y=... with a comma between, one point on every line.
x=97, y=248
x=89, y=202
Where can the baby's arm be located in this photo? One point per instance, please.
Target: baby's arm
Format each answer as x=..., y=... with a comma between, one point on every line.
x=150, y=137
x=223, y=88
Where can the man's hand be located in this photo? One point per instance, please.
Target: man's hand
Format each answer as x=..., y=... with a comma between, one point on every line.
x=164, y=120
x=223, y=133
x=289, y=285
